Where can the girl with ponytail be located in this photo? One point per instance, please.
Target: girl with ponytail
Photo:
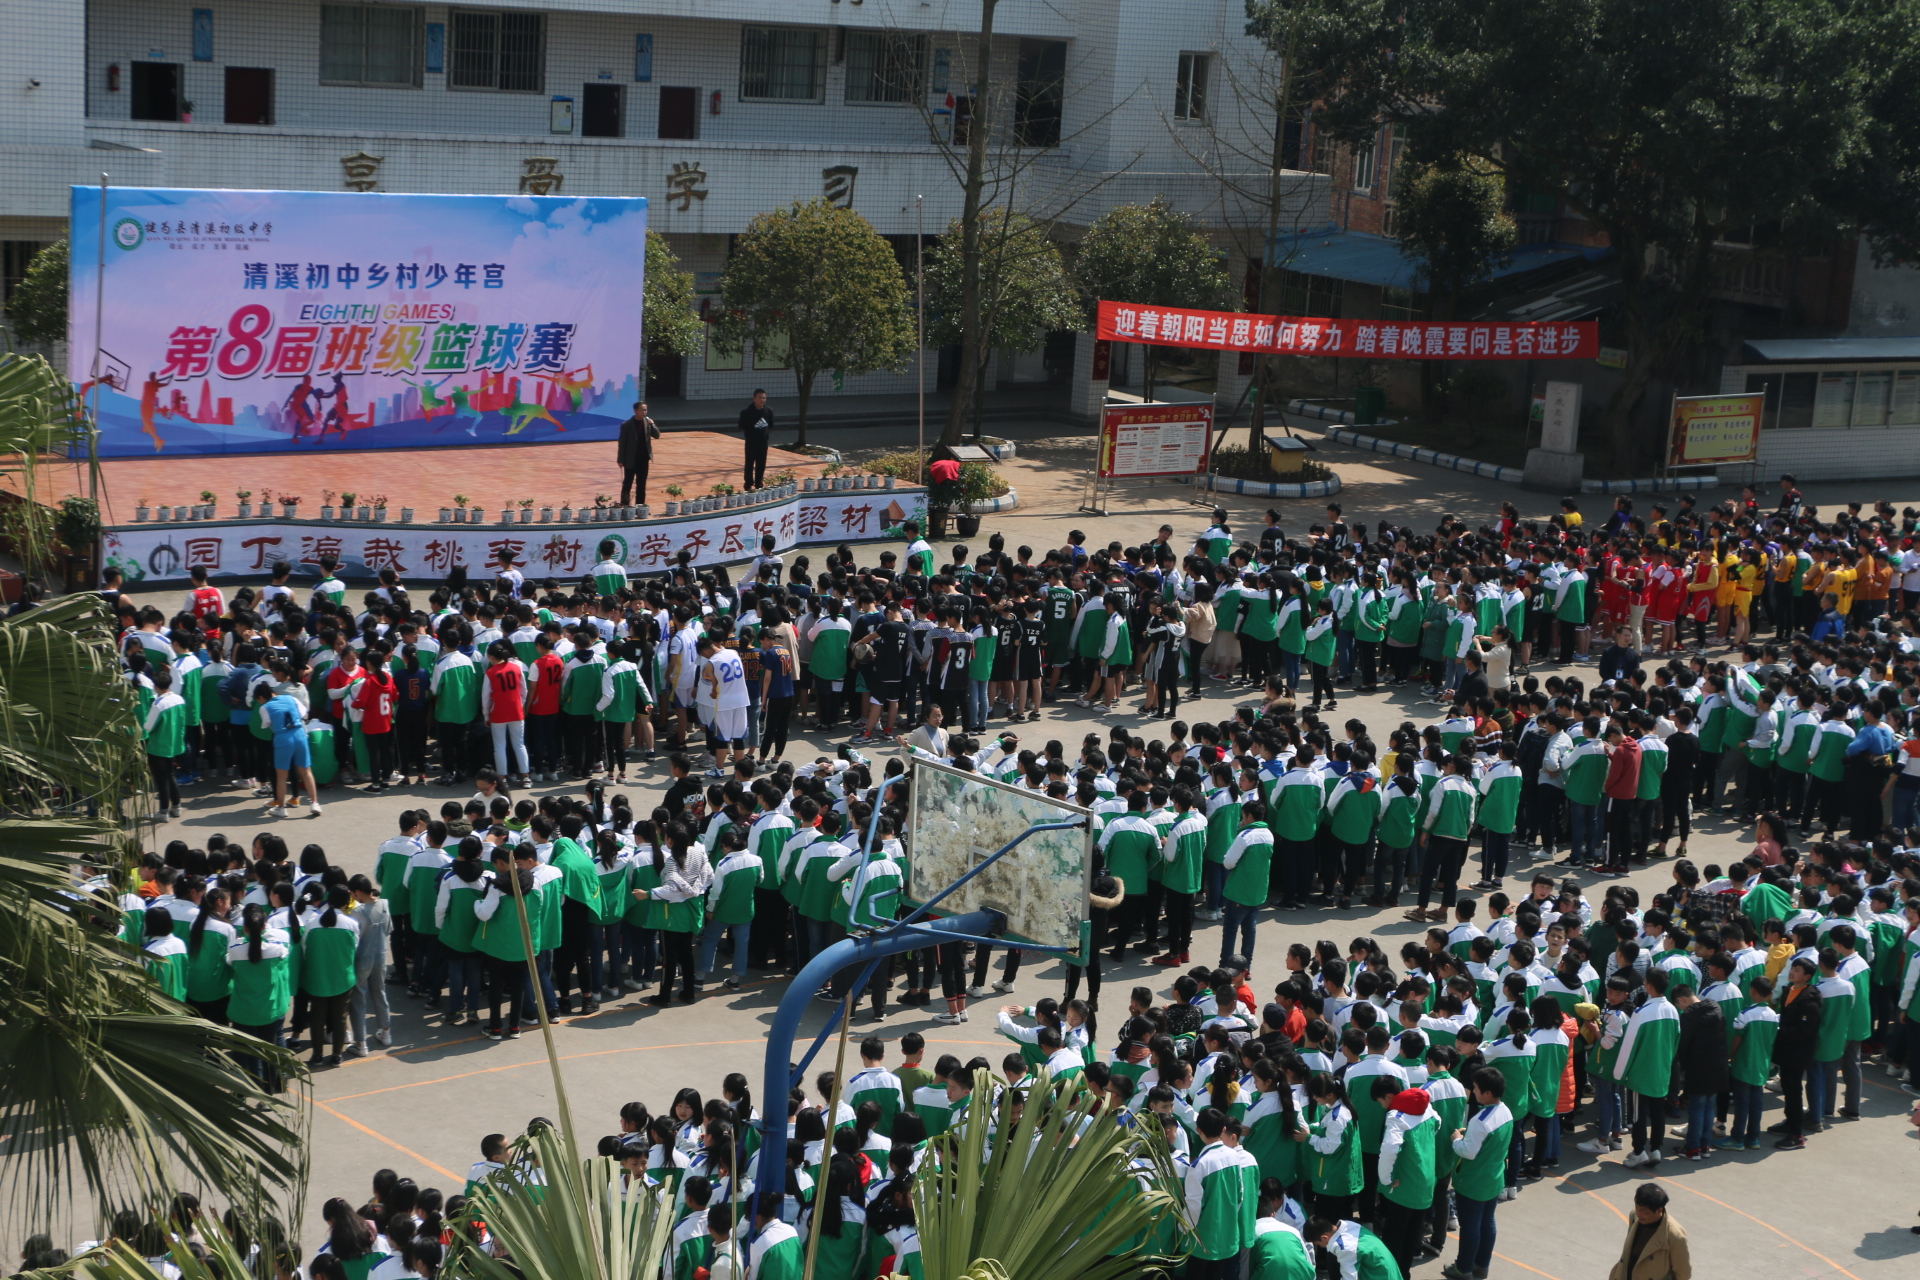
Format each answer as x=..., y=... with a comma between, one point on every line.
x=260, y=964
x=328, y=974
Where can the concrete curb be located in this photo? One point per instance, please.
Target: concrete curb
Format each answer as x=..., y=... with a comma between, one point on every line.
x=1431, y=457
x=1262, y=489
x=1652, y=484
x=994, y=506
x=1318, y=409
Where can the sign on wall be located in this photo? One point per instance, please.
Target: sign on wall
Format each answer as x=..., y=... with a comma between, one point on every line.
x=1140, y=440
x=1348, y=339
x=279, y=321
x=1711, y=429
x=248, y=549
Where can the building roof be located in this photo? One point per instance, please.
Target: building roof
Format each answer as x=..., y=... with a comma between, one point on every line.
x=1831, y=350
x=1378, y=260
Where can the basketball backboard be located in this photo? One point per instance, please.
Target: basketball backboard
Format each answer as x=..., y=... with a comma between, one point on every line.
x=959, y=820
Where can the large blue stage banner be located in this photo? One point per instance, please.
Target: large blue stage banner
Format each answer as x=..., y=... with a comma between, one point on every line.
x=278, y=321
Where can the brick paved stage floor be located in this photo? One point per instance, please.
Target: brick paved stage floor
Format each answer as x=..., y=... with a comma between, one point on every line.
x=425, y=479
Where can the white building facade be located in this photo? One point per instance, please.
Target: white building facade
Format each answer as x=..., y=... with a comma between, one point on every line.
x=716, y=110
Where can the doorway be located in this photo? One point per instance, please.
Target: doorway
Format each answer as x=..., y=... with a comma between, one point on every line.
x=249, y=98
x=155, y=91
x=679, y=113
x=666, y=373
x=602, y=111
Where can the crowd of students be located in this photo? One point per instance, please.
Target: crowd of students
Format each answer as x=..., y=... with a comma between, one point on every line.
x=1379, y=1097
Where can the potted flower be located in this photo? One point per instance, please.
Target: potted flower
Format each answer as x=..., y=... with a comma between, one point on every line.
x=460, y=501
x=326, y=504
x=206, y=504
x=406, y=515
x=546, y=513
x=142, y=508
x=566, y=513
x=290, y=505
x=347, y=501
x=477, y=515
x=379, y=501
x=243, y=502
x=674, y=494
x=526, y=511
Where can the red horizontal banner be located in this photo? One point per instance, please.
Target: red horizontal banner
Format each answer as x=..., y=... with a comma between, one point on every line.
x=1348, y=339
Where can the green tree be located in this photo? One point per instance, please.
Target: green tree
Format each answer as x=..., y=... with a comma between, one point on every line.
x=1151, y=254
x=38, y=307
x=1453, y=218
x=823, y=280
x=1024, y=292
x=1666, y=126
x=111, y=1090
x=669, y=320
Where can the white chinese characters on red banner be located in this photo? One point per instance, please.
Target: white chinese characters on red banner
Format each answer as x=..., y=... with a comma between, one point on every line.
x=1351, y=339
x=159, y=553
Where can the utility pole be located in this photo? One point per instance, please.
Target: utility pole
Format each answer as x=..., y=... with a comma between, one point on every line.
x=920, y=319
x=1263, y=368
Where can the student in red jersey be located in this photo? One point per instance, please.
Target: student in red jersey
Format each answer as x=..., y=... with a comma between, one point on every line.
x=204, y=602
x=340, y=678
x=503, y=699
x=543, y=709
x=375, y=702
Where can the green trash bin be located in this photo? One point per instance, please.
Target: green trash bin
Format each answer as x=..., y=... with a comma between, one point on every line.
x=1369, y=405
x=326, y=767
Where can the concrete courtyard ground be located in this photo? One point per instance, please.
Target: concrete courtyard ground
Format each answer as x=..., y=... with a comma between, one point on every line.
x=1837, y=1211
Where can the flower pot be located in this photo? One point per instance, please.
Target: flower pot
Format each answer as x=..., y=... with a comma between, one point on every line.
x=809, y=485
x=365, y=513
x=673, y=508
x=937, y=518
x=140, y=514
x=379, y=515
x=446, y=515
x=245, y=509
x=526, y=515
x=326, y=511
x=583, y=515
x=643, y=512
x=290, y=510
x=967, y=526
x=506, y=517
x=193, y=513
x=207, y=510
x=873, y=482
x=479, y=515
x=406, y=515
x=565, y=516
x=163, y=514
x=889, y=482
x=546, y=515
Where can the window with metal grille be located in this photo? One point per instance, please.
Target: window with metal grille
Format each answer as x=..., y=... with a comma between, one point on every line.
x=1366, y=164
x=782, y=64
x=497, y=50
x=371, y=44
x=1190, y=87
x=884, y=67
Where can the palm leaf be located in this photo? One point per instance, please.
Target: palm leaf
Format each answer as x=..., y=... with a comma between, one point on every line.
x=1064, y=1194
x=577, y=1226
x=226, y=1258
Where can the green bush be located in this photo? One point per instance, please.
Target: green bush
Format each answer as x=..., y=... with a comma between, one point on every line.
x=978, y=481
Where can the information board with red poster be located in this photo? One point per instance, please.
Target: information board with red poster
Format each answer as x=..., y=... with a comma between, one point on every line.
x=1138, y=441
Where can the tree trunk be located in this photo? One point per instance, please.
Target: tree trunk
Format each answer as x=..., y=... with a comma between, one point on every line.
x=1440, y=308
x=972, y=331
x=803, y=396
x=1149, y=366
x=1266, y=367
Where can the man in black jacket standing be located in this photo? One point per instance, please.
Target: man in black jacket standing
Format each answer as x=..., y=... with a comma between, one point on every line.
x=637, y=435
x=756, y=424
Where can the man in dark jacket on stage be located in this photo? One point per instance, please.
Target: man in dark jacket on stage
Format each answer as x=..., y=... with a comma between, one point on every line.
x=637, y=435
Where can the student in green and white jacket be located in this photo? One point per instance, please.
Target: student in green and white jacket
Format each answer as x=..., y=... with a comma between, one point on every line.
x=1480, y=1177
x=261, y=962
x=328, y=974
x=1216, y=1199
x=164, y=955
x=165, y=727
x=731, y=903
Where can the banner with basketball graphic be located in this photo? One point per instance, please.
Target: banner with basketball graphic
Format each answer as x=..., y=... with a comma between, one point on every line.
x=235, y=322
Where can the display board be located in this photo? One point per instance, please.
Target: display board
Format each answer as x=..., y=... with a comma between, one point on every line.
x=234, y=322
x=1041, y=886
x=1141, y=440
x=1349, y=339
x=1706, y=430
x=148, y=553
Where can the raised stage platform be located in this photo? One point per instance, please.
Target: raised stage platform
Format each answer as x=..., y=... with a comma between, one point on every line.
x=548, y=540
x=492, y=475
